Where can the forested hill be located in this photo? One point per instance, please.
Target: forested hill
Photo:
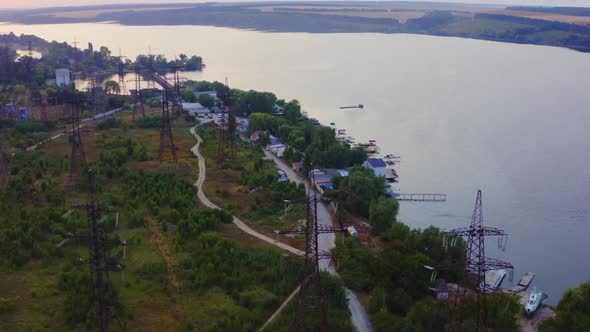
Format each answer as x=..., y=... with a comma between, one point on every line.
x=564, y=26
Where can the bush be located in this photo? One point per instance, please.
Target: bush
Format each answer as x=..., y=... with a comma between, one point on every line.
x=108, y=123
x=149, y=122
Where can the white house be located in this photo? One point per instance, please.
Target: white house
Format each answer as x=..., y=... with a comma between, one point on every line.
x=377, y=165
x=210, y=93
x=63, y=76
x=194, y=108
x=277, y=149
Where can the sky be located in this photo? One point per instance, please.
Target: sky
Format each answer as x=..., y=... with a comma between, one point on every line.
x=12, y=4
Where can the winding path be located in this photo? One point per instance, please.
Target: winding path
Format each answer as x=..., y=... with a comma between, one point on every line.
x=205, y=201
x=359, y=316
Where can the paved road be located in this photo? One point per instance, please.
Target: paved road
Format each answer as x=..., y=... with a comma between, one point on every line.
x=326, y=242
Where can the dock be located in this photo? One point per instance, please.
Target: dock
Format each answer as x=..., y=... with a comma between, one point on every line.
x=526, y=280
x=422, y=197
x=523, y=284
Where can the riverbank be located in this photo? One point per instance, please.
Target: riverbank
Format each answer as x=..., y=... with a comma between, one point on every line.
x=494, y=23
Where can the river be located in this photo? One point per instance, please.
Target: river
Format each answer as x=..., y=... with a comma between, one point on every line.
x=463, y=114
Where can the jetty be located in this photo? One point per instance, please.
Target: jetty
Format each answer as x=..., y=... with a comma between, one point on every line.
x=422, y=197
x=523, y=284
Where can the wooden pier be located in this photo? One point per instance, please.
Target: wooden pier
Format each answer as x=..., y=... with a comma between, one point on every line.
x=422, y=197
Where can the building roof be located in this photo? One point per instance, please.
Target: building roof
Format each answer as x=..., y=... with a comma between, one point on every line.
x=376, y=162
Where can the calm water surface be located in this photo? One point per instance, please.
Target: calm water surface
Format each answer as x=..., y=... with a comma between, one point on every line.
x=509, y=119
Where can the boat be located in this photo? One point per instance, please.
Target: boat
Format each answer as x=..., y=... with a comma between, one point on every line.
x=533, y=303
x=391, y=159
x=359, y=106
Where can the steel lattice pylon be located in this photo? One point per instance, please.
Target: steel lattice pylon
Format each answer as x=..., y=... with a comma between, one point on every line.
x=222, y=136
x=137, y=104
x=99, y=267
x=166, y=140
x=311, y=295
x=121, y=75
x=3, y=167
x=477, y=264
x=78, y=156
x=94, y=93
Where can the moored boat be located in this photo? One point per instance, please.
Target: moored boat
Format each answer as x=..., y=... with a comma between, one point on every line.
x=533, y=303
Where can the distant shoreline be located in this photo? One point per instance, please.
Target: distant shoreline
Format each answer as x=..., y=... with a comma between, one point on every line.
x=519, y=25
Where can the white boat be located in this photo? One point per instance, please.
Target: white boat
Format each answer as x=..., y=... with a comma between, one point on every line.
x=533, y=302
x=391, y=159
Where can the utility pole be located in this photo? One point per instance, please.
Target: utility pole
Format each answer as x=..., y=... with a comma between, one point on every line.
x=477, y=264
x=166, y=140
x=311, y=295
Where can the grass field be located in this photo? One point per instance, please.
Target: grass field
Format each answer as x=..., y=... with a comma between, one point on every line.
x=160, y=302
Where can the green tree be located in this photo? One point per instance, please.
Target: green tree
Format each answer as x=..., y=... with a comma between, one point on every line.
x=383, y=213
x=359, y=189
x=112, y=87
x=206, y=100
x=188, y=96
x=573, y=311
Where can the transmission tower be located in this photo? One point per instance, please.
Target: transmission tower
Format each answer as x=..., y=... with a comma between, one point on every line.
x=177, y=97
x=311, y=295
x=477, y=264
x=43, y=110
x=222, y=133
x=138, y=104
x=121, y=75
x=99, y=266
x=78, y=156
x=166, y=140
x=94, y=93
x=3, y=167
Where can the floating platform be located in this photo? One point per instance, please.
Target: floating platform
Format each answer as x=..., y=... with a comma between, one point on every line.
x=526, y=280
x=493, y=279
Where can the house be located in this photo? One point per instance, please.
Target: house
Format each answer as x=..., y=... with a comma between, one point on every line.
x=321, y=180
x=63, y=76
x=277, y=149
x=278, y=110
x=243, y=124
x=255, y=136
x=210, y=93
x=194, y=108
x=334, y=172
x=377, y=165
